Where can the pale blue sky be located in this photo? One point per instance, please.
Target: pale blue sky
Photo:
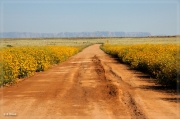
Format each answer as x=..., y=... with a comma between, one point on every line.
x=159, y=17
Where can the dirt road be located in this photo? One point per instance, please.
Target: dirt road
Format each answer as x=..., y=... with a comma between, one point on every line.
x=89, y=85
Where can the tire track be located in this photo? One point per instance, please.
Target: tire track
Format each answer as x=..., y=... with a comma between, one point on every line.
x=127, y=92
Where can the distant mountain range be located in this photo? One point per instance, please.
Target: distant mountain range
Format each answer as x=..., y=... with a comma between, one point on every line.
x=73, y=34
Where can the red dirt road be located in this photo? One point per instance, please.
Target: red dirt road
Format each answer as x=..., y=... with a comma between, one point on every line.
x=89, y=85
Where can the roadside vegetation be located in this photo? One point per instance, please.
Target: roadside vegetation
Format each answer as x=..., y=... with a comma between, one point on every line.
x=20, y=62
x=161, y=61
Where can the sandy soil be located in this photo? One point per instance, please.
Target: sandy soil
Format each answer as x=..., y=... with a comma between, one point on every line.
x=89, y=85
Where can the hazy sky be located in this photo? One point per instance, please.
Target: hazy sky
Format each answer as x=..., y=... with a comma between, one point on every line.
x=159, y=17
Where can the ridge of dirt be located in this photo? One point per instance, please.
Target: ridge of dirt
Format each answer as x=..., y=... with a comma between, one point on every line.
x=127, y=92
x=99, y=68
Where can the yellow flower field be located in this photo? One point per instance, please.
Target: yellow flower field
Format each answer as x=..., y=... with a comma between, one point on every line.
x=19, y=62
x=160, y=61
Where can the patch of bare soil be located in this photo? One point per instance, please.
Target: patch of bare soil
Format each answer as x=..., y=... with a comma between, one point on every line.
x=89, y=85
